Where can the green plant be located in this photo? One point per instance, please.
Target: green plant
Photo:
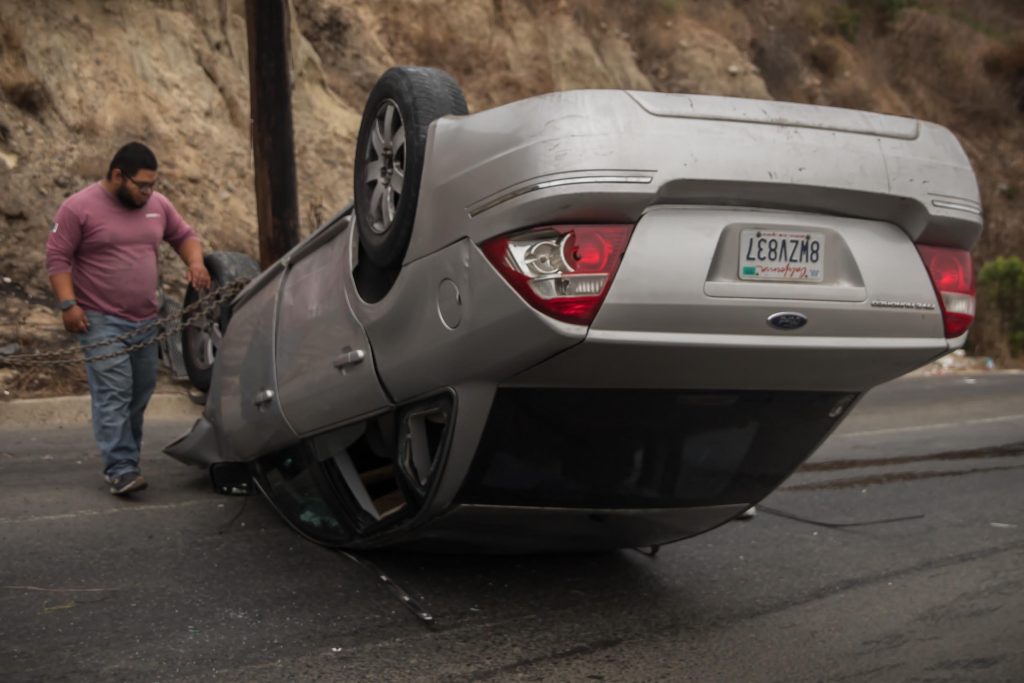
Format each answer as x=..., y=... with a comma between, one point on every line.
x=1001, y=284
x=1016, y=342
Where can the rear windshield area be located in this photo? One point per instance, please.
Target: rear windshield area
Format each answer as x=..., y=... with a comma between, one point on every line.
x=644, y=448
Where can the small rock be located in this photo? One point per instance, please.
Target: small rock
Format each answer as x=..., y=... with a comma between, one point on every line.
x=683, y=44
x=62, y=181
x=6, y=280
x=668, y=23
x=225, y=195
x=734, y=70
x=9, y=349
x=29, y=130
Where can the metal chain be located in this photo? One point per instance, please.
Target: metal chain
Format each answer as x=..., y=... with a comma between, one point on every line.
x=205, y=308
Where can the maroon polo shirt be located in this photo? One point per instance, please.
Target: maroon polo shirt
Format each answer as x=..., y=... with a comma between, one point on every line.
x=111, y=250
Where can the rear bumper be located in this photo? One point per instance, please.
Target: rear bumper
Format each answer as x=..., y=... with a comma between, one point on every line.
x=722, y=361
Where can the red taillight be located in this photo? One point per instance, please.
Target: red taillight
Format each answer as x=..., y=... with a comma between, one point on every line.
x=953, y=277
x=562, y=270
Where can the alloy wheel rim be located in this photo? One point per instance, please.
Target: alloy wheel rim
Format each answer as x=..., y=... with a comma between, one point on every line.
x=203, y=344
x=385, y=166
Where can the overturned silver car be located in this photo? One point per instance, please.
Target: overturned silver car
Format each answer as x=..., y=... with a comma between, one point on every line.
x=589, y=319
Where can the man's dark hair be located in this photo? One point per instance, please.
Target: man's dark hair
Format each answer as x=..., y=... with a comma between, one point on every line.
x=131, y=158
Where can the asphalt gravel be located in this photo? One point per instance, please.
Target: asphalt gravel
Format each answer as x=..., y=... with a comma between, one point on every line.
x=181, y=584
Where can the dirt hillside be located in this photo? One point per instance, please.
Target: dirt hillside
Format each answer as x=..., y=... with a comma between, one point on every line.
x=78, y=78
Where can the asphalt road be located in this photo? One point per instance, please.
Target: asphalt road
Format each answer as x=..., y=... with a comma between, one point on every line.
x=181, y=584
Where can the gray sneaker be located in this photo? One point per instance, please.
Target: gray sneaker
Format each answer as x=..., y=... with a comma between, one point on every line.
x=126, y=483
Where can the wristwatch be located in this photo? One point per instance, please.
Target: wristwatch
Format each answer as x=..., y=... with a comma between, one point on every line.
x=68, y=304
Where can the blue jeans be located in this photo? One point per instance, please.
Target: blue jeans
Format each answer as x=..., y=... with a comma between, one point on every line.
x=120, y=389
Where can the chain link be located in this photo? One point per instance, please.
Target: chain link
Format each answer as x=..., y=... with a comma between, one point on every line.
x=203, y=310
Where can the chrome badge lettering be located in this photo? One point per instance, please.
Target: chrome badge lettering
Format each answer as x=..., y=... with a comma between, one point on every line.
x=910, y=305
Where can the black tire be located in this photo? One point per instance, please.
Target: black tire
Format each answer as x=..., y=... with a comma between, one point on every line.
x=384, y=214
x=199, y=344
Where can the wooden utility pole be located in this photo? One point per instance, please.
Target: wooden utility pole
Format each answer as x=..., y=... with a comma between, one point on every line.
x=270, y=106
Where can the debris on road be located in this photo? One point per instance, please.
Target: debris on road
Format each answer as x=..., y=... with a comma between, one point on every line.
x=956, y=362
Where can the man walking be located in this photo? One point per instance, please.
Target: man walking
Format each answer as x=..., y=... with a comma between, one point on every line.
x=101, y=257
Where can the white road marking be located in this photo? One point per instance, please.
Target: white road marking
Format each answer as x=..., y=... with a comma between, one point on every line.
x=940, y=425
x=60, y=590
x=94, y=513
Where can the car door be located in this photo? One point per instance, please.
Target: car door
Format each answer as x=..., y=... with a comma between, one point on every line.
x=325, y=366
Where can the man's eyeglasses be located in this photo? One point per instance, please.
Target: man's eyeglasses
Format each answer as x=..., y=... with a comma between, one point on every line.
x=142, y=186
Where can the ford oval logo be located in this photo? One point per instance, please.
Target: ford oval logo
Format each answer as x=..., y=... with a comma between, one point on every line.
x=787, y=320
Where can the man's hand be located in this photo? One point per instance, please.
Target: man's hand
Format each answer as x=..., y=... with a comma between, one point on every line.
x=191, y=252
x=75, y=320
x=198, y=276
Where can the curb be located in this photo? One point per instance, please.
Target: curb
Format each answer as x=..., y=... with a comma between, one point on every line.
x=76, y=410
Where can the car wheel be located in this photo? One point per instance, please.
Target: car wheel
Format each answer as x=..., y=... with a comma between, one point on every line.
x=389, y=155
x=200, y=338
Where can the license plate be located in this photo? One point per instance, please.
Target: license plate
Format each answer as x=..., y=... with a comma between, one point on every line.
x=782, y=255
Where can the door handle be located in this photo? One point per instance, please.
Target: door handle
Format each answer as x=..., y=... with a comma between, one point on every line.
x=349, y=358
x=263, y=397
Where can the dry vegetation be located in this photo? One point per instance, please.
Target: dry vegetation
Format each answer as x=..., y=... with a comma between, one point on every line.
x=80, y=77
